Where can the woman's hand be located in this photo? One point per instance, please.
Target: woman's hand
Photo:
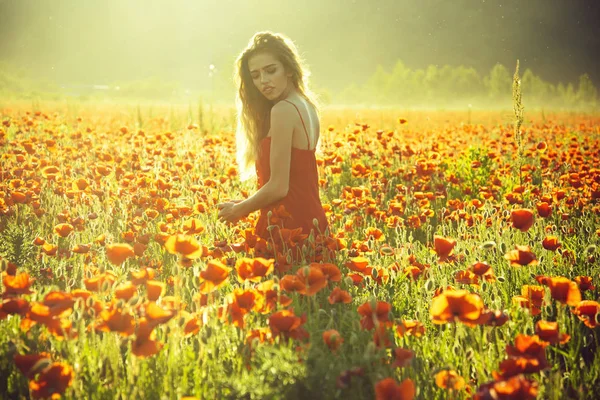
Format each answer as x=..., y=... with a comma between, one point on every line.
x=229, y=212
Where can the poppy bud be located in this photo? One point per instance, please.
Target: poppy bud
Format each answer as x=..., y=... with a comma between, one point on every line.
x=89, y=302
x=133, y=301
x=374, y=273
x=369, y=350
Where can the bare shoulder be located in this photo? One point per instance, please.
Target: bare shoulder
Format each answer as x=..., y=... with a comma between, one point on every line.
x=282, y=109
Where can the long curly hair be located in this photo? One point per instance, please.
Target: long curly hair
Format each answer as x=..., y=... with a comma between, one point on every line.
x=253, y=109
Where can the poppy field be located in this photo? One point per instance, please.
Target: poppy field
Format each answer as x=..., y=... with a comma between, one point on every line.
x=462, y=260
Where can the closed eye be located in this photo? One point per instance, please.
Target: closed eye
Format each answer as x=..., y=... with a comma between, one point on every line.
x=269, y=71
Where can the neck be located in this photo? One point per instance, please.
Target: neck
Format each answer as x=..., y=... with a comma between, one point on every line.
x=290, y=92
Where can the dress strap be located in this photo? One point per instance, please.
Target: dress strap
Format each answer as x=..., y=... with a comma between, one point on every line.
x=307, y=138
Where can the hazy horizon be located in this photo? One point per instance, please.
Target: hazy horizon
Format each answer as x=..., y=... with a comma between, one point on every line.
x=71, y=42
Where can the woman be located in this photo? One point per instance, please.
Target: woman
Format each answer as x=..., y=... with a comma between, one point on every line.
x=278, y=130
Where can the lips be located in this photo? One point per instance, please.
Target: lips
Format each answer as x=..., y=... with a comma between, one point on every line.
x=268, y=89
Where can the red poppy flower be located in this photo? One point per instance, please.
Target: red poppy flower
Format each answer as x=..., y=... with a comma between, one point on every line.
x=522, y=256
x=214, y=276
x=253, y=269
x=339, y=296
x=374, y=312
x=402, y=357
x=588, y=311
x=313, y=279
x=449, y=380
x=332, y=339
x=443, y=246
x=548, y=332
x=410, y=328
x=52, y=382
x=456, y=304
x=564, y=290
x=550, y=243
x=119, y=252
x=388, y=389
x=522, y=219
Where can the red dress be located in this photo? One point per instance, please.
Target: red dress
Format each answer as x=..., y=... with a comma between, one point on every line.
x=302, y=203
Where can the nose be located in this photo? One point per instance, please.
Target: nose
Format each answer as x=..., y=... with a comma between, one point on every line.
x=263, y=77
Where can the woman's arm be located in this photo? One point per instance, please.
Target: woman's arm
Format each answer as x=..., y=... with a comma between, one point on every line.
x=282, y=129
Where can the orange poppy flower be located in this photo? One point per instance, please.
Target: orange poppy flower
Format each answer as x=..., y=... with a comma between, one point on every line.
x=260, y=334
x=381, y=336
x=402, y=357
x=81, y=248
x=588, y=311
x=532, y=297
x=564, y=290
x=544, y=209
x=388, y=389
x=466, y=277
x=214, y=276
x=521, y=256
x=63, y=230
x=49, y=249
x=585, y=283
x=456, y=304
x=26, y=362
x=287, y=324
x=528, y=346
x=313, y=279
x=100, y=282
x=374, y=312
x=144, y=344
x=331, y=271
x=253, y=269
x=522, y=219
x=515, y=387
x=449, y=380
x=410, y=328
x=116, y=320
x=18, y=284
x=192, y=226
x=332, y=339
x=138, y=277
x=156, y=314
x=443, y=246
x=146, y=348
x=292, y=283
x=184, y=245
x=13, y=305
x=548, y=332
x=339, y=296
x=191, y=324
x=248, y=299
x=480, y=268
x=358, y=264
x=52, y=381
x=125, y=291
x=58, y=302
x=550, y=243
x=117, y=253
x=155, y=289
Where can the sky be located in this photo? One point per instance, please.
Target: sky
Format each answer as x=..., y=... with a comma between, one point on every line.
x=342, y=41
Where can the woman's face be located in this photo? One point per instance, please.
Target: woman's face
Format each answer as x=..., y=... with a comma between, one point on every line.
x=268, y=75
